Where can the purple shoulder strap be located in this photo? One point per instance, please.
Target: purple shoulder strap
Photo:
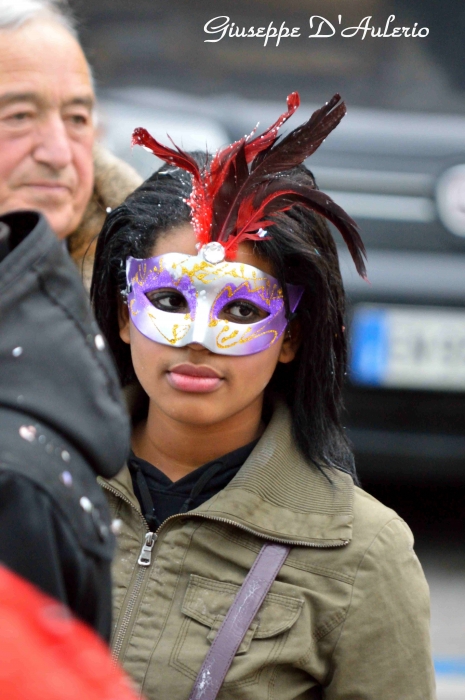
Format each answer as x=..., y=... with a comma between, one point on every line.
x=238, y=620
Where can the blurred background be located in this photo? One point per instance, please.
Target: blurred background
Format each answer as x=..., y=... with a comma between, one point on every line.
x=396, y=163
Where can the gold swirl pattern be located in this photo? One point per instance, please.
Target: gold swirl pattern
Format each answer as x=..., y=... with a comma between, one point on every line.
x=174, y=331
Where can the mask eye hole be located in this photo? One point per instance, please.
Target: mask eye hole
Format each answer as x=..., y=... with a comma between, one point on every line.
x=240, y=311
x=169, y=300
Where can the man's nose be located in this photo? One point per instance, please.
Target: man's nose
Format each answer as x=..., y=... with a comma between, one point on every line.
x=53, y=144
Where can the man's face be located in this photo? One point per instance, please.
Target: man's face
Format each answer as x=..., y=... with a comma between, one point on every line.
x=46, y=127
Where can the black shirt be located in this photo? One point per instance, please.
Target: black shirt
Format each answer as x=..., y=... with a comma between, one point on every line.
x=160, y=497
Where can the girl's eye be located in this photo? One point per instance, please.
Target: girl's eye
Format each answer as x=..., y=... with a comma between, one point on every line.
x=242, y=312
x=168, y=300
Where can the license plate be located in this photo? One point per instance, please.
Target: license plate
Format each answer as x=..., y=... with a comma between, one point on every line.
x=410, y=347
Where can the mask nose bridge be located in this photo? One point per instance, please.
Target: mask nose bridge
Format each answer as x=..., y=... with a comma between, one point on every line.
x=202, y=316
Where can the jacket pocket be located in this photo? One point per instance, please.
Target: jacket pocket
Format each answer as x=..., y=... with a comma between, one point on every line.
x=204, y=608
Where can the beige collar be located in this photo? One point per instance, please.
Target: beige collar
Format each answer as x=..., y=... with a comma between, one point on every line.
x=277, y=494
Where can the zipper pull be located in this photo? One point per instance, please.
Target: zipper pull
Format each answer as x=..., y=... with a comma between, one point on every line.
x=145, y=556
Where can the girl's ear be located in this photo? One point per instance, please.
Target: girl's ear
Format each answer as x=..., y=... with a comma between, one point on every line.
x=123, y=322
x=291, y=342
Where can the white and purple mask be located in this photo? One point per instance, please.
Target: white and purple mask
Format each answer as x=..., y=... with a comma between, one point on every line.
x=228, y=307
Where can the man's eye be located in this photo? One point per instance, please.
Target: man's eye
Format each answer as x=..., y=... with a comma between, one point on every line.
x=78, y=119
x=19, y=117
x=169, y=300
x=242, y=312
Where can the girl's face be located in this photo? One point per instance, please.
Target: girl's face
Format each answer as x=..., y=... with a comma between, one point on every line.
x=191, y=384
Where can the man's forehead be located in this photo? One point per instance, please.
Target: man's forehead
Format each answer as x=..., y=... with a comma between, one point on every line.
x=42, y=60
x=37, y=96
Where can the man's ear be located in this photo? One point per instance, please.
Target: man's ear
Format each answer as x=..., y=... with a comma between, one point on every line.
x=123, y=322
x=291, y=342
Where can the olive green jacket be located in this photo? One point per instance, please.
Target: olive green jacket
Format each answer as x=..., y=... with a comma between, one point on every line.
x=346, y=619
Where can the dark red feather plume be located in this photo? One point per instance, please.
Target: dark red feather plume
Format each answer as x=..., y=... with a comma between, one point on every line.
x=265, y=140
x=247, y=181
x=280, y=196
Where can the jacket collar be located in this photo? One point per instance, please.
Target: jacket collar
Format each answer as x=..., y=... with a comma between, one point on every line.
x=277, y=495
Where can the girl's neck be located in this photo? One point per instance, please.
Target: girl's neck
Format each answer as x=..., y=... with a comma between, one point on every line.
x=178, y=448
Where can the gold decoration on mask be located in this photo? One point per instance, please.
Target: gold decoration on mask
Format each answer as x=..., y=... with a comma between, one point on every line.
x=175, y=337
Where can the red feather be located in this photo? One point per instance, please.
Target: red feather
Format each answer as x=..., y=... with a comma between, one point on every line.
x=200, y=202
x=258, y=144
x=253, y=147
x=247, y=181
x=141, y=137
x=278, y=158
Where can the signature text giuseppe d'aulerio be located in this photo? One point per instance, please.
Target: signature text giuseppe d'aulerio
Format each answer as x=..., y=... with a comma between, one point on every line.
x=222, y=27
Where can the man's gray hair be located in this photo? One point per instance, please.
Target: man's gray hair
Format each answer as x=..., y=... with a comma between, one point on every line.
x=15, y=13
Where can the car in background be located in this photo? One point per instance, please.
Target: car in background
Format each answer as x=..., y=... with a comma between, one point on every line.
x=402, y=177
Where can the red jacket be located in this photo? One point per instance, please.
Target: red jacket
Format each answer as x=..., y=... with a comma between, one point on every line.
x=46, y=654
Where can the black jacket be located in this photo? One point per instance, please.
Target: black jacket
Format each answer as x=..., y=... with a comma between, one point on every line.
x=62, y=422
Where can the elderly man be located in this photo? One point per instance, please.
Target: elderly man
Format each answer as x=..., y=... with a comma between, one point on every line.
x=47, y=125
x=62, y=417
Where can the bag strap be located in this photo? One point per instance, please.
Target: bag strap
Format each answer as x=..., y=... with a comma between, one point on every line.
x=238, y=620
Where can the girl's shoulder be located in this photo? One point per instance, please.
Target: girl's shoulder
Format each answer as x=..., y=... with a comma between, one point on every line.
x=377, y=527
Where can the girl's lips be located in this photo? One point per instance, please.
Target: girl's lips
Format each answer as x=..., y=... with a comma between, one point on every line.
x=194, y=378
x=189, y=382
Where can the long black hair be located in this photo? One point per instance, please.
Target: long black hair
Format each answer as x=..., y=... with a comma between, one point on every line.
x=301, y=251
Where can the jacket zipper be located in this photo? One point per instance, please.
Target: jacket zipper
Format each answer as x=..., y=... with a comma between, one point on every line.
x=145, y=557
x=144, y=561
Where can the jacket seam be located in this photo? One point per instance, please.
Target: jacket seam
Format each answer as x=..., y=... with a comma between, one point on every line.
x=330, y=660
x=291, y=561
x=325, y=629
x=225, y=516
x=321, y=571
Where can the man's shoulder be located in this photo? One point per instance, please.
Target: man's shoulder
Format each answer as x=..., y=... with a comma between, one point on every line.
x=114, y=181
x=38, y=457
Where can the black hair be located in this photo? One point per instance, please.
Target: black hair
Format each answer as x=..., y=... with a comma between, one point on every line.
x=301, y=251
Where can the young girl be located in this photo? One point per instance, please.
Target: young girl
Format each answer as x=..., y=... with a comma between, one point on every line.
x=218, y=288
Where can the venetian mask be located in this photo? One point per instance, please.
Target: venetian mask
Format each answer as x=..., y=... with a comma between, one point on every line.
x=228, y=307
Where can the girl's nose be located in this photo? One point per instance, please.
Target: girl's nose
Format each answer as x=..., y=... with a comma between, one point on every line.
x=197, y=347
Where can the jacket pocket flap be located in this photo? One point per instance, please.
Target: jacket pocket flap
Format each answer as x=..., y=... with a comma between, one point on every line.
x=207, y=601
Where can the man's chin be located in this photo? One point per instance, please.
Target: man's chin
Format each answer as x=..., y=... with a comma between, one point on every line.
x=61, y=215
x=62, y=223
